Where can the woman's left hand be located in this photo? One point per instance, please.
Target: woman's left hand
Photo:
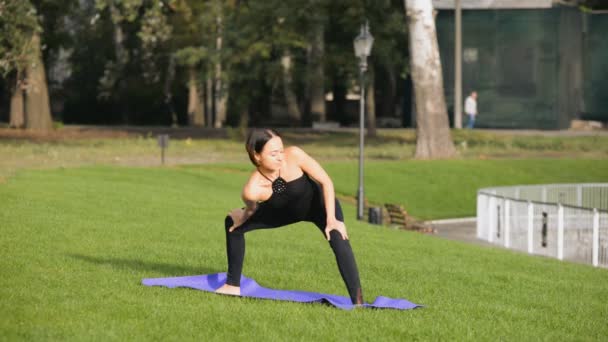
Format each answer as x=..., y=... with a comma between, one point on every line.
x=337, y=225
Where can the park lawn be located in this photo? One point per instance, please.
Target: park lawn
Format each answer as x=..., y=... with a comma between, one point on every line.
x=63, y=147
x=448, y=188
x=77, y=242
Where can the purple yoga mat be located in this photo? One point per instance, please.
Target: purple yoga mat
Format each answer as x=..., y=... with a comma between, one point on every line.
x=249, y=288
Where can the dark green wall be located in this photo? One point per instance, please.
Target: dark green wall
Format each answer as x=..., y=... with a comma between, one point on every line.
x=533, y=68
x=595, y=66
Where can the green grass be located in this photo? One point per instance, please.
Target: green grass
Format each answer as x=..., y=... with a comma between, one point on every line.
x=389, y=145
x=448, y=188
x=77, y=242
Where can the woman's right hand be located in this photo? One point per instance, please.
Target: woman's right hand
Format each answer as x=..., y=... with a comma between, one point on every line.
x=237, y=216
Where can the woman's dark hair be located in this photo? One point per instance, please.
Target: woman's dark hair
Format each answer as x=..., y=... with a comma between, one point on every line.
x=256, y=139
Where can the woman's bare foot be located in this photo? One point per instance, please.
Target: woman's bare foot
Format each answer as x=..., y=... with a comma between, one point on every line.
x=229, y=290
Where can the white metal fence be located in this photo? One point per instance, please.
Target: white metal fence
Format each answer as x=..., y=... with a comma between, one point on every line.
x=565, y=221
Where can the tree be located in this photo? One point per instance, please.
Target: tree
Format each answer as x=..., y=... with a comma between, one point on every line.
x=316, y=56
x=17, y=20
x=199, y=44
x=220, y=91
x=433, y=137
x=191, y=57
x=186, y=47
x=139, y=33
x=265, y=45
x=388, y=61
x=370, y=103
x=387, y=64
x=37, y=105
x=295, y=115
x=139, y=61
x=21, y=60
x=119, y=13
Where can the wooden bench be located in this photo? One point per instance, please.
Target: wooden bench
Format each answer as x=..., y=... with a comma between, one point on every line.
x=399, y=217
x=396, y=216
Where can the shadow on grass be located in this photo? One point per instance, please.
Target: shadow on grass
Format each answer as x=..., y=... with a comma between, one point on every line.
x=140, y=265
x=343, y=139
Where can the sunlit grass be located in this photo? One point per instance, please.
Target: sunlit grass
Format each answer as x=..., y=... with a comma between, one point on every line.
x=396, y=145
x=77, y=242
x=446, y=188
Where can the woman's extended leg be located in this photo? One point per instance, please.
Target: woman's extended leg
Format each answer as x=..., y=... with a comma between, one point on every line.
x=344, y=257
x=347, y=266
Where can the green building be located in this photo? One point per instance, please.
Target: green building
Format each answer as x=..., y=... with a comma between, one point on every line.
x=534, y=64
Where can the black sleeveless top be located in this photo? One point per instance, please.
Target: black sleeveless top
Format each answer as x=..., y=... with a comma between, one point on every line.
x=298, y=200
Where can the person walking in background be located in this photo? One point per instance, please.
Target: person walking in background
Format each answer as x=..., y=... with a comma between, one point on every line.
x=470, y=108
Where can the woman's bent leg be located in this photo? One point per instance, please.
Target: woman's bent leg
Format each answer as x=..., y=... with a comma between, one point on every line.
x=235, y=250
x=235, y=247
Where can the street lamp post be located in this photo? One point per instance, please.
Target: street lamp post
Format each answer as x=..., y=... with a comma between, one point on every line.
x=458, y=66
x=363, y=47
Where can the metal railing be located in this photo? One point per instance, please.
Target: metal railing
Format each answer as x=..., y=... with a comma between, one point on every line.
x=565, y=221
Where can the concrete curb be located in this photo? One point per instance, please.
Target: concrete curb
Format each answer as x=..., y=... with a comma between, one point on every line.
x=454, y=220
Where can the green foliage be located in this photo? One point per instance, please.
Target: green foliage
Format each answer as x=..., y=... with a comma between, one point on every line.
x=140, y=29
x=195, y=24
x=17, y=23
x=388, y=26
x=126, y=10
x=191, y=56
x=154, y=32
x=115, y=46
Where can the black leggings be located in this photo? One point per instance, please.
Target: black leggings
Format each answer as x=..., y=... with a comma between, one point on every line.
x=235, y=247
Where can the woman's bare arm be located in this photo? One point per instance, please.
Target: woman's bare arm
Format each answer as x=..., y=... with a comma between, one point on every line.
x=316, y=171
x=241, y=215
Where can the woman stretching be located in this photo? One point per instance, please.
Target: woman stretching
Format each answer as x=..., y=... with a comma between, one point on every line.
x=288, y=186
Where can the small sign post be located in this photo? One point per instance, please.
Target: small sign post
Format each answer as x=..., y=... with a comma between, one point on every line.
x=163, y=143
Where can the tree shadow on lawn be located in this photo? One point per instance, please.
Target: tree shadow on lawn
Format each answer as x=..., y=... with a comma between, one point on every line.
x=342, y=139
x=140, y=265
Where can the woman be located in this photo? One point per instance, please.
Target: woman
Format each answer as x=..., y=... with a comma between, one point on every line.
x=287, y=186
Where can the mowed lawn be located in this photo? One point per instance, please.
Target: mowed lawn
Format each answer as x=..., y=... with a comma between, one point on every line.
x=76, y=243
x=448, y=188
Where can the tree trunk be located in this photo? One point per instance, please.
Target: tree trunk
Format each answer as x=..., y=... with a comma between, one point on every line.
x=222, y=107
x=221, y=94
x=244, y=121
x=111, y=84
x=317, y=75
x=370, y=103
x=391, y=97
x=170, y=76
x=196, y=116
x=433, y=137
x=209, y=101
x=17, y=119
x=293, y=110
x=122, y=56
x=338, y=103
x=37, y=105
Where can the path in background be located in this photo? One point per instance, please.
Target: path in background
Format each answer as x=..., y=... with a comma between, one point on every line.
x=461, y=229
